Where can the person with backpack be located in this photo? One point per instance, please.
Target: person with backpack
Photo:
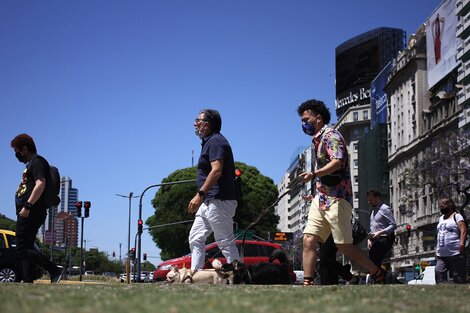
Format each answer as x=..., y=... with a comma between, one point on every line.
x=450, y=248
x=31, y=208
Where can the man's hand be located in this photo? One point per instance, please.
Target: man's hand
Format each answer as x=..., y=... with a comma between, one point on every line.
x=194, y=204
x=369, y=244
x=306, y=176
x=374, y=235
x=24, y=212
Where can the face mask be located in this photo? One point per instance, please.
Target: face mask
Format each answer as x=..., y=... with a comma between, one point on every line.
x=444, y=210
x=308, y=129
x=20, y=157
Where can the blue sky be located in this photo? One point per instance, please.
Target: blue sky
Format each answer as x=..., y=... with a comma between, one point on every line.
x=109, y=89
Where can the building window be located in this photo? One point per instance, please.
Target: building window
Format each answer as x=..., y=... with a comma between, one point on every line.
x=355, y=116
x=365, y=114
x=356, y=195
x=355, y=146
x=355, y=163
x=356, y=180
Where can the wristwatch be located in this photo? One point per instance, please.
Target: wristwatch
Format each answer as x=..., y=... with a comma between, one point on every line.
x=201, y=193
x=27, y=205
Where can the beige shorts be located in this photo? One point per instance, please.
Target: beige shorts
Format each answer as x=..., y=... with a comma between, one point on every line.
x=335, y=220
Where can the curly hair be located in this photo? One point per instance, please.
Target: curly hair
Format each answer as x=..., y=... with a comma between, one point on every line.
x=24, y=140
x=315, y=107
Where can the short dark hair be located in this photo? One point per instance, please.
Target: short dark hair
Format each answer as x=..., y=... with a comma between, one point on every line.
x=213, y=118
x=24, y=140
x=447, y=200
x=315, y=107
x=374, y=192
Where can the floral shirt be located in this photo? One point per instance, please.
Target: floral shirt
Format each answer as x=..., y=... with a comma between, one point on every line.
x=329, y=144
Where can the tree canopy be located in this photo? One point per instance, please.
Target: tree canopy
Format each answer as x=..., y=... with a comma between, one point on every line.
x=171, y=202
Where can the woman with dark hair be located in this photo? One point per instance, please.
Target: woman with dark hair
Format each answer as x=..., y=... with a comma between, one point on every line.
x=450, y=248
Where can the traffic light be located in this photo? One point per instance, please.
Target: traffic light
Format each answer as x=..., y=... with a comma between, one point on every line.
x=114, y=254
x=145, y=256
x=238, y=184
x=78, y=205
x=87, y=205
x=140, y=226
x=408, y=230
x=132, y=253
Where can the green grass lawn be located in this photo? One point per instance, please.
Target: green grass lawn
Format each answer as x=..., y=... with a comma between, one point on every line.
x=135, y=298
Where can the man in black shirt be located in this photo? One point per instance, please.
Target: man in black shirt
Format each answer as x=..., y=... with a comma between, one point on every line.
x=30, y=208
x=216, y=200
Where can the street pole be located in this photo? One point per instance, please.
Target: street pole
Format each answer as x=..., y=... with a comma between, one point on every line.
x=139, y=233
x=81, y=250
x=128, y=259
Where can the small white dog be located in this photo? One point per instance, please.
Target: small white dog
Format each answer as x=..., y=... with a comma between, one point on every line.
x=207, y=276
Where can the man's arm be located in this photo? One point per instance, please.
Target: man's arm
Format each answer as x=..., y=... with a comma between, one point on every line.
x=40, y=185
x=214, y=175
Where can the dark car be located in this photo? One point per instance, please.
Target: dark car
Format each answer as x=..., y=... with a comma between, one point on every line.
x=10, y=271
x=254, y=252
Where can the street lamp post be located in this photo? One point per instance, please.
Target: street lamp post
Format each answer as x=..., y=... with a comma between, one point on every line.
x=128, y=259
x=140, y=228
x=130, y=196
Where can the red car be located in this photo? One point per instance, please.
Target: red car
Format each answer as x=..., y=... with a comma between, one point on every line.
x=254, y=252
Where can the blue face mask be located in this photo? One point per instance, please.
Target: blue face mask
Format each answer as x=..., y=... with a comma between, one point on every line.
x=308, y=129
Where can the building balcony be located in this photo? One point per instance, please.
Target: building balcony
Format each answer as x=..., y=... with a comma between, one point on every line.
x=461, y=74
x=462, y=7
x=459, y=29
x=463, y=53
x=465, y=31
x=464, y=118
x=461, y=96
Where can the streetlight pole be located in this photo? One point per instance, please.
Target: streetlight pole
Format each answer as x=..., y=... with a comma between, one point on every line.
x=128, y=259
x=139, y=231
x=130, y=196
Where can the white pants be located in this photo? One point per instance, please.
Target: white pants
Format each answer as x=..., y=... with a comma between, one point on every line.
x=215, y=217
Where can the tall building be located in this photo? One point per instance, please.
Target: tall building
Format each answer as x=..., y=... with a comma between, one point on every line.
x=463, y=78
x=359, y=60
x=428, y=153
x=293, y=209
x=54, y=231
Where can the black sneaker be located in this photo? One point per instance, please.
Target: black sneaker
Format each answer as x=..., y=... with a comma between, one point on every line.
x=57, y=276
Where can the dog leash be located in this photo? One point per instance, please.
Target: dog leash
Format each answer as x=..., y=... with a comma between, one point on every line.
x=295, y=184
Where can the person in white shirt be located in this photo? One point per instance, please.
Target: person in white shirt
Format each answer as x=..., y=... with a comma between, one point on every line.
x=450, y=248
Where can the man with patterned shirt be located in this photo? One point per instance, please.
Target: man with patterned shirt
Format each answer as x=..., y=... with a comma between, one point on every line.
x=331, y=209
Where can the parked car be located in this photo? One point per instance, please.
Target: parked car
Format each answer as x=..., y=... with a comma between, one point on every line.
x=427, y=277
x=10, y=270
x=254, y=252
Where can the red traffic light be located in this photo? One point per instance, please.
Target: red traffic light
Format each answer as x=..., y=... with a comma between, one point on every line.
x=238, y=173
x=140, y=222
x=408, y=227
x=79, y=204
x=87, y=204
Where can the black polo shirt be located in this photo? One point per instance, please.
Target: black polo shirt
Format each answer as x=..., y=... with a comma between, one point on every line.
x=216, y=147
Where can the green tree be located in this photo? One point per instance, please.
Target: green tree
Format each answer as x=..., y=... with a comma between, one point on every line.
x=6, y=223
x=171, y=204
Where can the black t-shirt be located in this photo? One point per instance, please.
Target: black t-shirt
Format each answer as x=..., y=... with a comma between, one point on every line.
x=35, y=169
x=216, y=147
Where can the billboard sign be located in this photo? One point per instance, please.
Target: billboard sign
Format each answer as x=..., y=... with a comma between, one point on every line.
x=378, y=97
x=441, y=42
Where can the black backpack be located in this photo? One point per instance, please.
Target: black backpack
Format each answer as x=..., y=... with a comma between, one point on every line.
x=51, y=193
